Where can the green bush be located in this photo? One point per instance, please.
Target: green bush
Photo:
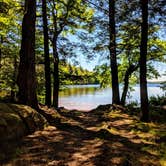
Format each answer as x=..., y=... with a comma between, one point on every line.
x=156, y=101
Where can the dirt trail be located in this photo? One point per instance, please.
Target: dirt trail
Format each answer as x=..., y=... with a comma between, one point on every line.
x=86, y=139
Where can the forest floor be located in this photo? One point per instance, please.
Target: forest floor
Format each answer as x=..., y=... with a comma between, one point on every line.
x=102, y=137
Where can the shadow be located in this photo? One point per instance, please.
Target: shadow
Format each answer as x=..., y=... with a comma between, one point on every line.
x=72, y=114
x=87, y=119
x=69, y=144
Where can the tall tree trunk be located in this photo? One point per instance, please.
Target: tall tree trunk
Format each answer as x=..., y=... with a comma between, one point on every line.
x=143, y=58
x=26, y=75
x=56, y=59
x=56, y=73
x=46, y=55
x=112, y=49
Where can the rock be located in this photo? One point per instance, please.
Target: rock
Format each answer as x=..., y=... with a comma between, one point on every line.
x=18, y=120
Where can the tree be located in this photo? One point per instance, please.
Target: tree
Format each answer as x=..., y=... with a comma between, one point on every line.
x=67, y=16
x=112, y=49
x=129, y=65
x=102, y=74
x=26, y=79
x=46, y=55
x=143, y=59
x=128, y=38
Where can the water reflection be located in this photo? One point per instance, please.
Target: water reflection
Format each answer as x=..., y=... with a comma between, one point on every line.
x=87, y=97
x=79, y=90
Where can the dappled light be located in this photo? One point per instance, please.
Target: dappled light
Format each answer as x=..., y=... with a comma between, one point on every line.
x=82, y=83
x=87, y=139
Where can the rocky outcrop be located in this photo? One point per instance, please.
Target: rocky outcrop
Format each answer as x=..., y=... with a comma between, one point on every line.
x=18, y=120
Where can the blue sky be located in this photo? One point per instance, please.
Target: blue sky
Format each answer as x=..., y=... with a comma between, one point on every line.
x=90, y=64
x=161, y=67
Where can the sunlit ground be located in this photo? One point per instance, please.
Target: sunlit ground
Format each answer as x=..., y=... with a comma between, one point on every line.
x=100, y=138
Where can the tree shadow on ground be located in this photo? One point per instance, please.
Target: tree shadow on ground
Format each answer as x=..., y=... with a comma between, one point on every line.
x=73, y=145
x=70, y=144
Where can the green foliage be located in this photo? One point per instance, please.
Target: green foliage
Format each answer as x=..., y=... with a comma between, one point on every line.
x=8, y=15
x=82, y=28
x=66, y=19
x=157, y=101
x=70, y=74
x=103, y=74
x=163, y=85
x=9, y=63
x=132, y=104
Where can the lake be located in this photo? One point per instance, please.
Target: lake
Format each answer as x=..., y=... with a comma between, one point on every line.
x=87, y=97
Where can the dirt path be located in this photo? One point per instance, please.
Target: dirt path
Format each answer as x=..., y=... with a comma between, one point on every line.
x=88, y=139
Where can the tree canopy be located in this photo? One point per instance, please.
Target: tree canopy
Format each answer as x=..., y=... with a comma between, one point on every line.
x=91, y=29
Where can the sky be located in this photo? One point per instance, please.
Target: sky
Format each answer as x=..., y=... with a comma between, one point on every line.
x=90, y=64
x=161, y=67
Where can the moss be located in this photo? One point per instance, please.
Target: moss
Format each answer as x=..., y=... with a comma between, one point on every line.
x=4, y=108
x=3, y=122
x=18, y=120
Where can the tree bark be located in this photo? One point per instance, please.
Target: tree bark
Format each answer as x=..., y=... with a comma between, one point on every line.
x=112, y=49
x=26, y=75
x=56, y=73
x=128, y=74
x=125, y=88
x=56, y=59
x=143, y=59
x=46, y=55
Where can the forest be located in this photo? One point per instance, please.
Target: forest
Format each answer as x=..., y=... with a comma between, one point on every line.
x=43, y=44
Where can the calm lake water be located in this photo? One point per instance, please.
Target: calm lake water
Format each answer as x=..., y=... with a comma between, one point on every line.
x=87, y=97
